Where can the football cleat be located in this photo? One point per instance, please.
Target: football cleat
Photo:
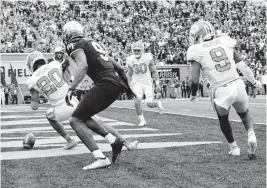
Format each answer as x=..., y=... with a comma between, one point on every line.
x=132, y=145
x=235, y=151
x=116, y=149
x=160, y=107
x=70, y=145
x=142, y=124
x=99, y=163
x=252, y=146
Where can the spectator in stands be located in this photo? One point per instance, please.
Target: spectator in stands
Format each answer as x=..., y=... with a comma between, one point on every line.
x=2, y=95
x=14, y=94
x=7, y=94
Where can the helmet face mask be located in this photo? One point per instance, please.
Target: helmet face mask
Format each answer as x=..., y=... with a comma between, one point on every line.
x=138, y=49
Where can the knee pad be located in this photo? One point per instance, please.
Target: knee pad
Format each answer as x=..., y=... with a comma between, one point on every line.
x=242, y=115
x=50, y=114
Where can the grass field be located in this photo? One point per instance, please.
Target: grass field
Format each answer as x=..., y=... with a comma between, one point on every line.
x=175, y=150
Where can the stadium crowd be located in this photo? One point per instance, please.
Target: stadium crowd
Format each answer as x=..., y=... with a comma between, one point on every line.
x=163, y=27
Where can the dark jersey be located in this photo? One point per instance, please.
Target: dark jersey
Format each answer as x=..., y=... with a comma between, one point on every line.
x=99, y=67
x=64, y=63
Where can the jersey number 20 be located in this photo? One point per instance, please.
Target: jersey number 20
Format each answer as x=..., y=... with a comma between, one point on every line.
x=45, y=82
x=218, y=55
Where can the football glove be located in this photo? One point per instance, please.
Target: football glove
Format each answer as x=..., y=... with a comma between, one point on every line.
x=69, y=97
x=130, y=94
x=257, y=84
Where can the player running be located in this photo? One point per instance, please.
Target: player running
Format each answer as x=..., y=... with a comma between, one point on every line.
x=109, y=82
x=219, y=60
x=140, y=66
x=49, y=80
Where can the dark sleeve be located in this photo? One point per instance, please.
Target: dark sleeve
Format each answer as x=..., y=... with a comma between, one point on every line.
x=65, y=65
x=72, y=47
x=50, y=60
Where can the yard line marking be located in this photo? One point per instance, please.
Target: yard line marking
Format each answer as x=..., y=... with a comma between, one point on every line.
x=55, y=140
x=67, y=127
x=5, y=117
x=45, y=121
x=26, y=154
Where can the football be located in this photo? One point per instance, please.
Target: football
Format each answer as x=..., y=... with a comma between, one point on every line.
x=29, y=141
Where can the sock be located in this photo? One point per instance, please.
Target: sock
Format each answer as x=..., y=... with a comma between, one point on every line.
x=110, y=138
x=250, y=131
x=233, y=144
x=67, y=138
x=98, y=154
x=142, y=119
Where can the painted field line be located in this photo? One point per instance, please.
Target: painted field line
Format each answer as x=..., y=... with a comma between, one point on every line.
x=182, y=114
x=45, y=121
x=26, y=154
x=56, y=140
x=46, y=129
x=5, y=117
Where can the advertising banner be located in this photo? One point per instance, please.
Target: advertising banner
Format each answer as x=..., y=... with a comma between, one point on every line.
x=168, y=73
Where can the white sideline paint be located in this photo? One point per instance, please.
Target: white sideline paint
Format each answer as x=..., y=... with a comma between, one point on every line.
x=21, y=116
x=82, y=149
x=45, y=122
x=67, y=127
x=182, y=114
x=58, y=139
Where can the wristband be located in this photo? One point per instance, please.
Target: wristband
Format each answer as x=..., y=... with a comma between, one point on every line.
x=71, y=89
x=194, y=88
x=157, y=82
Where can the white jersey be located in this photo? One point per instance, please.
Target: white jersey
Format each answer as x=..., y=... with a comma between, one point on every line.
x=140, y=66
x=216, y=60
x=49, y=81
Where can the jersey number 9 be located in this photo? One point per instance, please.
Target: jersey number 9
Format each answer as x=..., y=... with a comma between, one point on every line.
x=45, y=82
x=218, y=55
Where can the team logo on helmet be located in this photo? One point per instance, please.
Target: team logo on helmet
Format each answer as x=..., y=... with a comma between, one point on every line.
x=71, y=30
x=138, y=49
x=32, y=59
x=201, y=31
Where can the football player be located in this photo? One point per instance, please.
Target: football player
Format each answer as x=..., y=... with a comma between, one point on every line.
x=49, y=80
x=109, y=82
x=140, y=66
x=218, y=59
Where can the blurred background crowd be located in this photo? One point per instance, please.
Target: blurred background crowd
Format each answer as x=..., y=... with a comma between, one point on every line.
x=162, y=25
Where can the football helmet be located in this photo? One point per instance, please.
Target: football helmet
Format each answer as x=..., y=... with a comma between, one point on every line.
x=34, y=59
x=71, y=30
x=138, y=49
x=59, y=52
x=201, y=31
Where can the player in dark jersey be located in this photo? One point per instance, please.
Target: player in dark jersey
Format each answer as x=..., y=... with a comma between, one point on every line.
x=109, y=82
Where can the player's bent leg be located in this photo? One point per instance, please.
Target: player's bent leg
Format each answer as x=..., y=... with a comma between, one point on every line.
x=241, y=107
x=138, y=90
x=57, y=125
x=82, y=131
x=226, y=129
x=139, y=111
x=149, y=99
x=126, y=143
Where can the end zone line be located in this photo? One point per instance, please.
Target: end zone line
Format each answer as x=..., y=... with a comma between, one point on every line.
x=176, y=113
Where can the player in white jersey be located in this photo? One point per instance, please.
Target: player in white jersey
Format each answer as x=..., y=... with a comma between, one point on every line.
x=218, y=60
x=140, y=66
x=49, y=80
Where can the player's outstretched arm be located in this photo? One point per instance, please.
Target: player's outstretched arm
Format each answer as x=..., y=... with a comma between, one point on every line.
x=195, y=73
x=34, y=99
x=120, y=71
x=130, y=74
x=241, y=65
x=80, y=58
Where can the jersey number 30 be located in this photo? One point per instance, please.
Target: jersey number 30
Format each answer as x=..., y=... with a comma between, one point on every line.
x=218, y=55
x=45, y=82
